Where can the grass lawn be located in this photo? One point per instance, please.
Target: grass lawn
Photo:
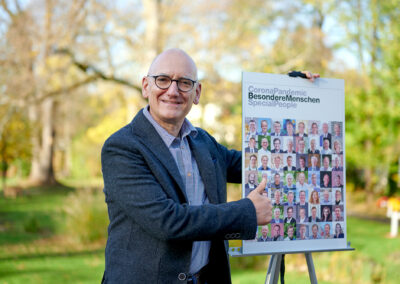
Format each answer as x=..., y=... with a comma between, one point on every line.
x=33, y=249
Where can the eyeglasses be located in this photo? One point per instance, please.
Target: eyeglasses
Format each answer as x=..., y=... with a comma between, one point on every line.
x=164, y=82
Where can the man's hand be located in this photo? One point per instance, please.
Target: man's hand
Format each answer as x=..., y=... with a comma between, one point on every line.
x=310, y=76
x=261, y=203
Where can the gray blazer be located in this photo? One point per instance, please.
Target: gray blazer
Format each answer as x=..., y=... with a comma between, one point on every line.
x=152, y=228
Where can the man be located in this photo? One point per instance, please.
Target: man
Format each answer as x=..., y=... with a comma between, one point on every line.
x=252, y=146
x=251, y=184
x=325, y=133
x=165, y=187
x=264, y=128
x=326, y=164
x=289, y=128
x=326, y=197
x=326, y=150
x=302, y=164
x=290, y=199
x=301, y=184
x=338, y=197
x=289, y=164
x=277, y=146
x=289, y=146
x=264, y=235
x=302, y=214
x=327, y=232
x=313, y=218
x=277, y=129
x=277, y=184
x=338, y=214
x=252, y=130
x=314, y=164
x=277, y=197
x=277, y=233
x=289, y=219
x=289, y=183
x=314, y=232
x=314, y=185
x=277, y=166
x=301, y=127
x=252, y=163
x=277, y=216
x=301, y=146
x=290, y=233
x=338, y=181
x=302, y=198
x=313, y=147
x=264, y=148
x=264, y=164
x=337, y=132
x=337, y=163
x=303, y=233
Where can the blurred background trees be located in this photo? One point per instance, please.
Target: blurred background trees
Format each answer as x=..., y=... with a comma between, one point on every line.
x=70, y=74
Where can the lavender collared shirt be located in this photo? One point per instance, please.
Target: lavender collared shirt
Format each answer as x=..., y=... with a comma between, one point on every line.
x=194, y=187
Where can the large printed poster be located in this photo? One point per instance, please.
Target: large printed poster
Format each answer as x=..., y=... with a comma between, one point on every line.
x=293, y=134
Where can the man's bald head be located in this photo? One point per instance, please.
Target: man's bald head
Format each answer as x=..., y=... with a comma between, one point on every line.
x=173, y=57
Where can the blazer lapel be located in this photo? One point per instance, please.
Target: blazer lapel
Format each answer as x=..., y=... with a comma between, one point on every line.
x=154, y=143
x=205, y=163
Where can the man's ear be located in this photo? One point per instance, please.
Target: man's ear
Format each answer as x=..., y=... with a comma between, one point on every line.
x=145, y=87
x=196, y=99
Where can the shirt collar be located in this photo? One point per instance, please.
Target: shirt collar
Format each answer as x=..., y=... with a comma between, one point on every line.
x=186, y=129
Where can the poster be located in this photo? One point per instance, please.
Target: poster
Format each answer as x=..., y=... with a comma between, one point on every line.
x=293, y=134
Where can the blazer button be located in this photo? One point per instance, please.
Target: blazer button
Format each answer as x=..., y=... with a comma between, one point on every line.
x=182, y=276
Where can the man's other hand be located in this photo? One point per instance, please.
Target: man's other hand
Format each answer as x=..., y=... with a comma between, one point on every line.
x=261, y=203
x=310, y=76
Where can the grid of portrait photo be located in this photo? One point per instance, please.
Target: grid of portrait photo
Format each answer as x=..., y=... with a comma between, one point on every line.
x=302, y=161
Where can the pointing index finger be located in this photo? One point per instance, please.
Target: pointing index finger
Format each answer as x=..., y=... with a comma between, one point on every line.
x=261, y=187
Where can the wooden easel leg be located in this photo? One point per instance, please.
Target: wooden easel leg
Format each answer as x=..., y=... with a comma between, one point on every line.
x=311, y=268
x=273, y=269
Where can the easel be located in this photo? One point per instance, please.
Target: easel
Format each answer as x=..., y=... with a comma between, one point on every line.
x=276, y=260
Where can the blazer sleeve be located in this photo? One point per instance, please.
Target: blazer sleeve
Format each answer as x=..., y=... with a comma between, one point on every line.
x=132, y=186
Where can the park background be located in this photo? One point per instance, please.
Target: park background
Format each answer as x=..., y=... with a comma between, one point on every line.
x=70, y=75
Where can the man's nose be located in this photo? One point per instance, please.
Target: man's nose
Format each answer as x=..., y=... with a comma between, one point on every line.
x=173, y=89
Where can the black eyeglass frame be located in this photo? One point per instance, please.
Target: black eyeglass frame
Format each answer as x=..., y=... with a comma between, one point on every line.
x=172, y=80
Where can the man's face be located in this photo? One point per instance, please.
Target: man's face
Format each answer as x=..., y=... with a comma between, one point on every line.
x=264, y=126
x=327, y=229
x=302, y=213
x=290, y=213
x=326, y=144
x=252, y=142
x=326, y=195
x=289, y=180
x=276, y=230
x=312, y=143
x=301, y=178
x=302, y=144
x=314, y=179
x=252, y=126
x=325, y=128
x=326, y=162
x=265, y=231
x=277, y=162
x=264, y=161
x=337, y=164
x=302, y=231
x=290, y=232
x=301, y=127
x=277, y=213
x=290, y=197
x=289, y=161
x=338, y=183
x=314, y=230
x=169, y=107
x=290, y=145
x=338, y=195
x=314, y=128
x=302, y=196
x=289, y=128
x=336, y=127
x=326, y=180
x=277, y=127
x=314, y=161
x=338, y=212
x=314, y=212
x=302, y=163
x=277, y=179
x=264, y=143
x=277, y=144
x=252, y=178
x=253, y=161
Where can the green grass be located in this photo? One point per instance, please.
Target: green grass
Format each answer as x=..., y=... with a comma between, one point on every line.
x=34, y=250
